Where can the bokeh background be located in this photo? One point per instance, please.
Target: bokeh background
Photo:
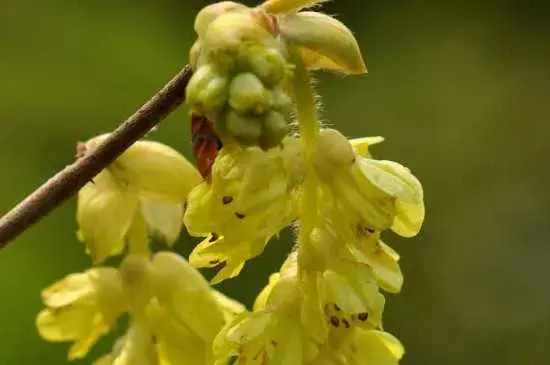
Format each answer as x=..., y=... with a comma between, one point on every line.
x=460, y=90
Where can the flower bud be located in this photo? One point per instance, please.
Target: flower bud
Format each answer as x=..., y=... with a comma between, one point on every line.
x=210, y=13
x=266, y=63
x=207, y=90
x=280, y=101
x=333, y=153
x=246, y=130
x=227, y=35
x=247, y=94
x=275, y=128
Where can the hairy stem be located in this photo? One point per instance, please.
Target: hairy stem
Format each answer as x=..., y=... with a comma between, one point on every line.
x=69, y=180
x=309, y=130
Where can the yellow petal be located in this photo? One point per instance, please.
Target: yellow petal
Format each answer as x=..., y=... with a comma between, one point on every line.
x=397, y=181
x=361, y=145
x=104, y=215
x=156, y=170
x=380, y=348
x=164, y=219
x=186, y=295
x=329, y=43
x=287, y=6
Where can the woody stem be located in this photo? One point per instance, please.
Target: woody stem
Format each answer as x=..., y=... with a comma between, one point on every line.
x=68, y=181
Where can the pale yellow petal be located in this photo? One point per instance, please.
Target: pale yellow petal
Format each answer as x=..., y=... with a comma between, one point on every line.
x=186, y=295
x=164, y=219
x=104, y=214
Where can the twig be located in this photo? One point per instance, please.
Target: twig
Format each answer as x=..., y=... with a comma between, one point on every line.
x=69, y=180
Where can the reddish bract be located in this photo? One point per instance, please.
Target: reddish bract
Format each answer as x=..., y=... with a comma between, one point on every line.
x=206, y=144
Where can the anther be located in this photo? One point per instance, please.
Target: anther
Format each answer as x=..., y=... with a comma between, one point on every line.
x=214, y=237
x=346, y=323
x=334, y=321
x=363, y=316
x=214, y=262
x=240, y=215
x=336, y=307
x=227, y=199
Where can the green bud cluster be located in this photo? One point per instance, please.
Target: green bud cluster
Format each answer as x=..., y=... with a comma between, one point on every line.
x=241, y=75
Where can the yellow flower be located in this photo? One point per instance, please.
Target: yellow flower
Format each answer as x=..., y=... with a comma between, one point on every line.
x=81, y=308
x=250, y=199
x=384, y=193
x=134, y=348
x=272, y=334
x=138, y=195
x=361, y=347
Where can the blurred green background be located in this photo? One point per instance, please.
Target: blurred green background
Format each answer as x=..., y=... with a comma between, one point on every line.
x=459, y=89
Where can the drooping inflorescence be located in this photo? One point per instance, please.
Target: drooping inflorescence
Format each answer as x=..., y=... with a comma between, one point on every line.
x=265, y=163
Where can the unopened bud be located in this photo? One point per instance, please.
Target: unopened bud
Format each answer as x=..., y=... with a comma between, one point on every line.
x=247, y=94
x=275, y=128
x=280, y=101
x=210, y=13
x=226, y=37
x=207, y=90
x=333, y=153
x=246, y=130
x=266, y=63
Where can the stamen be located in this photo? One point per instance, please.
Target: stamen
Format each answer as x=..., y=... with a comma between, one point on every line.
x=334, y=321
x=363, y=316
x=227, y=200
x=240, y=215
x=214, y=237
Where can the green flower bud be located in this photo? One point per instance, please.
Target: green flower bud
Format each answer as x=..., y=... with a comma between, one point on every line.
x=207, y=90
x=228, y=35
x=280, y=101
x=246, y=130
x=275, y=129
x=210, y=13
x=247, y=94
x=266, y=63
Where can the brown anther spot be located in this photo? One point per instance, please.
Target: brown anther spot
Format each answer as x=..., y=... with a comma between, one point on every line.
x=227, y=199
x=363, y=316
x=214, y=237
x=214, y=262
x=274, y=343
x=353, y=160
x=334, y=321
x=346, y=323
x=240, y=215
x=336, y=307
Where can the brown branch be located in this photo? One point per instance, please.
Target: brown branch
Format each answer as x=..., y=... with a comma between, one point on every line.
x=69, y=180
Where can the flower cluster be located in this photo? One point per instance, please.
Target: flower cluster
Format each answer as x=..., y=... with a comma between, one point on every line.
x=251, y=82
